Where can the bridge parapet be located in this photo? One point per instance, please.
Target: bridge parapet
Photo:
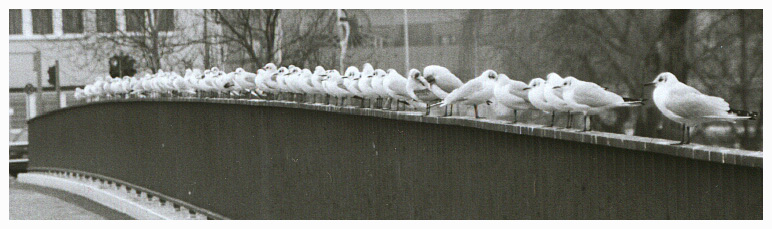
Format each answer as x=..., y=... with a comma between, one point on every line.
x=255, y=159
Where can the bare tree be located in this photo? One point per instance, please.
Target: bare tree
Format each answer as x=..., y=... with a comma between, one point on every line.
x=252, y=30
x=150, y=36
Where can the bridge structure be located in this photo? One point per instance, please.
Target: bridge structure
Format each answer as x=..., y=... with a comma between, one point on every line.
x=257, y=159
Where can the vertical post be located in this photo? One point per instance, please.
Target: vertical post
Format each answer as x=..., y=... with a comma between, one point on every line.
x=57, y=87
x=407, y=45
x=206, y=41
x=39, y=69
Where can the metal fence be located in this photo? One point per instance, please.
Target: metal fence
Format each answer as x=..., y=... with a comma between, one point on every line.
x=270, y=160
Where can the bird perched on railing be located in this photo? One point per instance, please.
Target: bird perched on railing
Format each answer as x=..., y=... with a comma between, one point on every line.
x=590, y=98
x=245, y=81
x=316, y=81
x=365, y=84
x=512, y=94
x=554, y=97
x=689, y=107
x=419, y=89
x=351, y=81
x=441, y=82
x=474, y=92
x=378, y=88
x=396, y=87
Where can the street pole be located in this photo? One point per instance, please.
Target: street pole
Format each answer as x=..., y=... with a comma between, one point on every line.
x=57, y=87
x=206, y=41
x=39, y=69
x=407, y=46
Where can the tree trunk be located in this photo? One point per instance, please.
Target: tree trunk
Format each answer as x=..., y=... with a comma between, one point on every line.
x=465, y=67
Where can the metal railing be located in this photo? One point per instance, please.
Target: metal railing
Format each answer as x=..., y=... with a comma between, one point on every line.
x=256, y=159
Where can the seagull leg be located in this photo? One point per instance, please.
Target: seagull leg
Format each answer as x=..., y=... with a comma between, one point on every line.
x=587, y=123
x=475, y=111
x=684, y=135
x=514, y=121
x=568, y=122
x=688, y=135
x=553, y=119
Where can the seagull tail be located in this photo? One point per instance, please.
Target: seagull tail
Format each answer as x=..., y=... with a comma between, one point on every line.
x=742, y=114
x=633, y=102
x=441, y=104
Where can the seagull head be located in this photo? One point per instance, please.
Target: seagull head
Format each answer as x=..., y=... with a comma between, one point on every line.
x=319, y=70
x=536, y=82
x=413, y=74
x=663, y=79
x=270, y=67
x=283, y=70
x=503, y=78
x=490, y=74
x=565, y=83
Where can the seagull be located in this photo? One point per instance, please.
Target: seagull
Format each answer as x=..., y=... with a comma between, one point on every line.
x=591, y=99
x=377, y=84
x=351, y=81
x=513, y=94
x=474, y=92
x=684, y=104
x=244, y=80
x=441, y=82
x=418, y=89
x=316, y=81
x=335, y=87
x=554, y=97
x=365, y=83
x=396, y=87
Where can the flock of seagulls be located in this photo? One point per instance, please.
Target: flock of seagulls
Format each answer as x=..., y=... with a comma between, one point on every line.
x=435, y=86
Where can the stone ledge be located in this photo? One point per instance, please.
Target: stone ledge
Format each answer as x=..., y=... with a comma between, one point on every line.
x=655, y=145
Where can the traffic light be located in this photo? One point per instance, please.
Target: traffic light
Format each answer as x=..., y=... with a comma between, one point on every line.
x=52, y=75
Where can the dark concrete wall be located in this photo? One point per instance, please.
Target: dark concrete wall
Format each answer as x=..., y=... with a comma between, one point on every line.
x=272, y=162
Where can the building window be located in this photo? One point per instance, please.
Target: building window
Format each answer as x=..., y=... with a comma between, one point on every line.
x=16, y=22
x=135, y=20
x=42, y=22
x=72, y=21
x=106, y=21
x=164, y=20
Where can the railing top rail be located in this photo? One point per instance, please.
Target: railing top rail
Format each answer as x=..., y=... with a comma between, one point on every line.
x=654, y=145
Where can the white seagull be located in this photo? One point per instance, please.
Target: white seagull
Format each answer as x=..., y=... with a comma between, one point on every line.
x=419, y=89
x=591, y=99
x=513, y=94
x=684, y=104
x=474, y=92
x=441, y=82
x=554, y=97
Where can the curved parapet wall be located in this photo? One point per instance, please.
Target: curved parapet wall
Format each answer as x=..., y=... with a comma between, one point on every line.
x=250, y=159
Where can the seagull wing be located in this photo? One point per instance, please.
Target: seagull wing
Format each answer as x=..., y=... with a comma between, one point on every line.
x=517, y=90
x=687, y=102
x=592, y=95
x=463, y=92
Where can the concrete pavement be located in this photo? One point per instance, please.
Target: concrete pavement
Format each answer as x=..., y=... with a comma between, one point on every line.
x=34, y=202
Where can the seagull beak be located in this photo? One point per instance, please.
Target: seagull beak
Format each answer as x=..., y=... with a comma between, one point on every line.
x=555, y=87
x=649, y=84
x=526, y=88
